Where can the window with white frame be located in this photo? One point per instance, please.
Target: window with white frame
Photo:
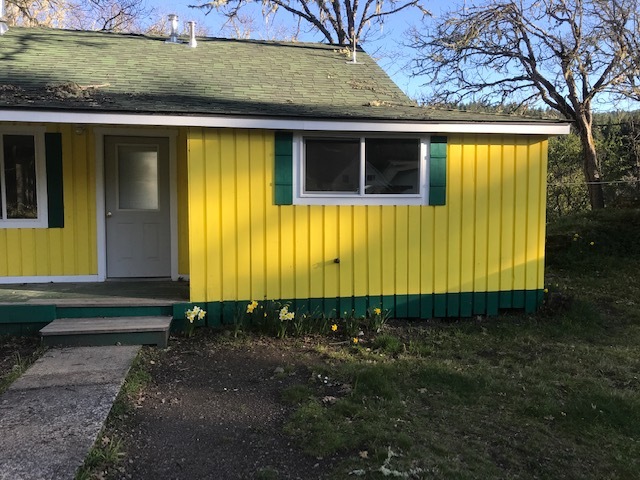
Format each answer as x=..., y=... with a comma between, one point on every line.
x=22, y=179
x=353, y=170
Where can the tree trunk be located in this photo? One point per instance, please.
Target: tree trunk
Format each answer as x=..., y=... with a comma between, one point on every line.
x=590, y=165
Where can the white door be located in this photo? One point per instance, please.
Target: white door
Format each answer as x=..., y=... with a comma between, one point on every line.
x=137, y=203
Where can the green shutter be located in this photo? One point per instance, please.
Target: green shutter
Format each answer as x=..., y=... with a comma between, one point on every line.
x=55, y=194
x=438, y=171
x=283, y=174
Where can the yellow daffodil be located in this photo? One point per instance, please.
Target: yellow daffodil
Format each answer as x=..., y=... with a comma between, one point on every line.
x=334, y=327
x=285, y=314
x=195, y=312
x=355, y=340
x=377, y=311
x=252, y=306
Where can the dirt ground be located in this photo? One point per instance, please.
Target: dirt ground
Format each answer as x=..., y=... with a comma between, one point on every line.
x=213, y=410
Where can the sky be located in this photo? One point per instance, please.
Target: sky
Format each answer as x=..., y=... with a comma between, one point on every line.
x=384, y=45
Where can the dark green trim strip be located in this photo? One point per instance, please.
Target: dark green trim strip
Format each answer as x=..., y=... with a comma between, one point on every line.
x=55, y=193
x=283, y=169
x=440, y=305
x=438, y=171
x=451, y=305
x=466, y=304
x=493, y=303
x=27, y=319
x=116, y=311
x=27, y=314
x=413, y=304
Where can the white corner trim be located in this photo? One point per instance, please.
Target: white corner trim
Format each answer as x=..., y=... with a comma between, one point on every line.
x=223, y=121
x=50, y=279
x=101, y=227
x=173, y=204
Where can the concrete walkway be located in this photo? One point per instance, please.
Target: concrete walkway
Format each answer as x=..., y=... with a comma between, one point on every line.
x=51, y=416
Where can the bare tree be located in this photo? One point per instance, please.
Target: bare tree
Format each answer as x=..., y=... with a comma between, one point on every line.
x=568, y=54
x=339, y=21
x=29, y=13
x=104, y=15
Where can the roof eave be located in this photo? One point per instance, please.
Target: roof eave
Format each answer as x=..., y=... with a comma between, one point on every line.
x=516, y=126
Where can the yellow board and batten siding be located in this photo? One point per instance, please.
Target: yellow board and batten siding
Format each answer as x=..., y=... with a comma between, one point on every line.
x=72, y=249
x=482, y=250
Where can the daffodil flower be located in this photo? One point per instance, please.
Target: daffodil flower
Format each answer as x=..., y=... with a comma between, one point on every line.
x=195, y=312
x=285, y=314
x=252, y=306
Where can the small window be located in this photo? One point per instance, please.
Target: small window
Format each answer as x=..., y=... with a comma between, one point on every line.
x=361, y=170
x=392, y=166
x=22, y=187
x=332, y=165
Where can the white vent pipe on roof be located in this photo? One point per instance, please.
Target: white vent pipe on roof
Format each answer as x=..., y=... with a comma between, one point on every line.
x=173, y=23
x=192, y=34
x=3, y=20
x=355, y=47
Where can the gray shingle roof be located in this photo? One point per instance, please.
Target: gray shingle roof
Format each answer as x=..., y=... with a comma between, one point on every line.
x=94, y=71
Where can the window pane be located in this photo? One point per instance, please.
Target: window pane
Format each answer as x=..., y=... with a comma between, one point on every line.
x=137, y=177
x=392, y=166
x=20, y=176
x=332, y=165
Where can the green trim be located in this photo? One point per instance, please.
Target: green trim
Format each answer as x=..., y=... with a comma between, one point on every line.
x=449, y=305
x=346, y=305
x=531, y=299
x=518, y=299
x=426, y=306
x=27, y=314
x=438, y=171
x=440, y=305
x=55, y=193
x=466, y=304
x=360, y=304
x=159, y=338
x=283, y=169
x=493, y=303
x=402, y=306
x=453, y=305
x=479, y=303
x=119, y=311
x=506, y=298
x=27, y=319
x=413, y=306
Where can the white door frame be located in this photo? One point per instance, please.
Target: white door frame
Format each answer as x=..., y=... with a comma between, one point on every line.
x=101, y=217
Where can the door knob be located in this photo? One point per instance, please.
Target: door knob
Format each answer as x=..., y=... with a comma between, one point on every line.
x=109, y=214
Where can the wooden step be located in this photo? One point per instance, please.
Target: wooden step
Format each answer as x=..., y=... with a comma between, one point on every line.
x=108, y=331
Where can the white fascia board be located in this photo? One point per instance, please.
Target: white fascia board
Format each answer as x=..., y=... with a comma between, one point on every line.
x=522, y=128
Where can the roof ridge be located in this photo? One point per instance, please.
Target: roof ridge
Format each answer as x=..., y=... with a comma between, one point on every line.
x=185, y=34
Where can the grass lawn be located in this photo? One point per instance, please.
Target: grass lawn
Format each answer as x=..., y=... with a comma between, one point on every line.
x=554, y=395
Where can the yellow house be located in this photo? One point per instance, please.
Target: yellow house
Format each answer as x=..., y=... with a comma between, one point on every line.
x=261, y=170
